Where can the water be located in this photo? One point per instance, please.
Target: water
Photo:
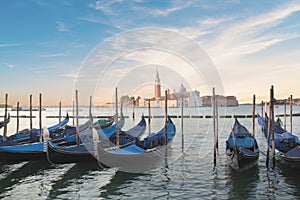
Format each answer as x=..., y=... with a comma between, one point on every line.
x=190, y=173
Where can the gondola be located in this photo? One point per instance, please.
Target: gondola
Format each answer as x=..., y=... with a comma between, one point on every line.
x=140, y=156
x=31, y=151
x=32, y=135
x=241, y=148
x=2, y=123
x=286, y=144
x=76, y=154
x=70, y=131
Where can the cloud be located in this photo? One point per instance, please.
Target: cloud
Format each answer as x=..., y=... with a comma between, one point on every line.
x=72, y=75
x=8, y=65
x=61, y=27
x=213, y=21
x=232, y=38
x=166, y=12
x=91, y=19
x=110, y=7
x=105, y=6
x=9, y=45
x=53, y=55
x=175, y=6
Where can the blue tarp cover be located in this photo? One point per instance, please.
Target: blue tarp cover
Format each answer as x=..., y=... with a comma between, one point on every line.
x=241, y=142
x=131, y=149
x=242, y=136
x=284, y=141
x=160, y=136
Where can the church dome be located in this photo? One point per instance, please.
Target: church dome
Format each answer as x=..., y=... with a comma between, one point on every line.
x=182, y=89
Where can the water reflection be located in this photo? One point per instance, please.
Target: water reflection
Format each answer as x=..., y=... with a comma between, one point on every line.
x=243, y=184
x=75, y=173
x=183, y=170
x=292, y=178
x=15, y=178
x=116, y=184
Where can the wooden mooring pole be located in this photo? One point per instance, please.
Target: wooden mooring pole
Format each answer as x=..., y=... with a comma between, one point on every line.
x=90, y=112
x=73, y=113
x=166, y=128
x=30, y=110
x=272, y=124
x=284, y=110
x=117, y=117
x=5, y=119
x=18, y=122
x=269, y=132
x=40, y=118
x=182, y=136
x=59, y=113
x=291, y=113
x=253, y=116
x=77, y=118
x=149, y=116
x=217, y=122
x=133, y=110
x=214, y=126
x=262, y=113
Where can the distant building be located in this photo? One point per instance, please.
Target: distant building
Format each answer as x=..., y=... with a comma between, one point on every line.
x=175, y=99
x=222, y=101
x=295, y=101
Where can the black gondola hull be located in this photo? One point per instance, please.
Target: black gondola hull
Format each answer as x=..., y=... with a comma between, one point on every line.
x=240, y=161
x=59, y=156
x=288, y=161
x=8, y=157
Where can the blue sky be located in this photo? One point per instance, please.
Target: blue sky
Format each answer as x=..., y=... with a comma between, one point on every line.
x=253, y=44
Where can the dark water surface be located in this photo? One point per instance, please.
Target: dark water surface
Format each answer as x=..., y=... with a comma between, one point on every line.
x=190, y=173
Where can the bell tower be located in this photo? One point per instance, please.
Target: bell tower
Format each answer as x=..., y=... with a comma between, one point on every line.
x=157, y=91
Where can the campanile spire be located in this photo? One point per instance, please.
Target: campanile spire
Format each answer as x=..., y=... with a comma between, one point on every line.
x=157, y=90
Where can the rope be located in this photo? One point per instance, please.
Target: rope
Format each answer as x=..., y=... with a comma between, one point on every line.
x=276, y=154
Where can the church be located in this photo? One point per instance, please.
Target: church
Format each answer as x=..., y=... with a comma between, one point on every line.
x=175, y=99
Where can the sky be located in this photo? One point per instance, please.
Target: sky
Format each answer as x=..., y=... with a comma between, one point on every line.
x=239, y=47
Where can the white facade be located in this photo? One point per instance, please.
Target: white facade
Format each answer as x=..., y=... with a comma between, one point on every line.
x=190, y=99
x=194, y=99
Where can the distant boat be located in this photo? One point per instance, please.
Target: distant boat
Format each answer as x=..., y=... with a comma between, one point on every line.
x=27, y=108
x=286, y=144
x=241, y=148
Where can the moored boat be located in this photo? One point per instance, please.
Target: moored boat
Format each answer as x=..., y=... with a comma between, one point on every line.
x=32, y=135
x=286, y=144
x=140, y=156
x=29, y=151
x=241, y=148
x=82, y=153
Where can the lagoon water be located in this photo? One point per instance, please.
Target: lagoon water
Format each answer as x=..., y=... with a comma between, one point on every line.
x=190, y=173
